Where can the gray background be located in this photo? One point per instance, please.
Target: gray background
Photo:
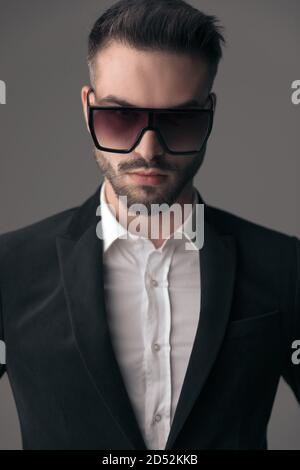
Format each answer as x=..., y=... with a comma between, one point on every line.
x=251, y=166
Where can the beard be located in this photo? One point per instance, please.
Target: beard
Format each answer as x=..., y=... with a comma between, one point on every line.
x=146, y=194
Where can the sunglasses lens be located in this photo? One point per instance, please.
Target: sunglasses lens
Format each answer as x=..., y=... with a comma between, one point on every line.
x=118, y=129
x=181, y=131
x=184, y=131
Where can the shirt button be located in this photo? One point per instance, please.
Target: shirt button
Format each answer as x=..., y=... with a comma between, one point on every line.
x=156, y=347
x=157, y=417
x=154, y=283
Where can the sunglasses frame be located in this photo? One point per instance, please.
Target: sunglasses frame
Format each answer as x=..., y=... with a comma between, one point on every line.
x=151, y=112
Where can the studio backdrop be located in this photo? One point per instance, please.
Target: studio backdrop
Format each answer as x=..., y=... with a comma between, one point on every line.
x=251, y=166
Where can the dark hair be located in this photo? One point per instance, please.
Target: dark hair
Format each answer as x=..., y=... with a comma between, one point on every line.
x=166, y=25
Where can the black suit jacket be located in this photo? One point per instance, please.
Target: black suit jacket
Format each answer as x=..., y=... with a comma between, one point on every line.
x=61, y=365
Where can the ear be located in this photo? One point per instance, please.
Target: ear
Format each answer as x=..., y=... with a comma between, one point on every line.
x=84, y=92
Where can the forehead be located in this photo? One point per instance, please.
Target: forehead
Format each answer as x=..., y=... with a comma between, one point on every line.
x=149, y=78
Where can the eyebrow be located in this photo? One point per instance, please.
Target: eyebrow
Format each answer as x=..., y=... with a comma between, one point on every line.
x=121, y=102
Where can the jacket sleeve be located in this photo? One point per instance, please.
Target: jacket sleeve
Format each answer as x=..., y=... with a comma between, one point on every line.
x=2, y=344
x=291, y=372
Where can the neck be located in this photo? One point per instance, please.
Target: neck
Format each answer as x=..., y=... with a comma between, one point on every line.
x=158, y=224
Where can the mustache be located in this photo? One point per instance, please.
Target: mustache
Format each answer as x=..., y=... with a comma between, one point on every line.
x=140, y=164
x=137, y=164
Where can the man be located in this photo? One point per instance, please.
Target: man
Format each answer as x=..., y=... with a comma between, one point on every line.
x=121, y=340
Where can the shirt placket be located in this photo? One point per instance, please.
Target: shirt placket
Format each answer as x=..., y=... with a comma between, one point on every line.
x=157, y=341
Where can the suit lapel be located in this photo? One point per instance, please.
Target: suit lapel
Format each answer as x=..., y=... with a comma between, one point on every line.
x=217, y=268
x=80, y=257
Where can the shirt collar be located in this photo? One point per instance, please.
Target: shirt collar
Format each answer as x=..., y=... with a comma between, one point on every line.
x=113, y=230
x=187, y=227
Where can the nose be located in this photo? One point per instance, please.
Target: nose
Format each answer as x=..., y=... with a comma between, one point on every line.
x=149, y=145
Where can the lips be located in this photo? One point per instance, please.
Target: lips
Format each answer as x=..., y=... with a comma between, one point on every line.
x=150, y=178
x=147, y=173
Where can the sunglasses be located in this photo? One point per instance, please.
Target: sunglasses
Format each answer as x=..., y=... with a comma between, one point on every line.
x=180, y=131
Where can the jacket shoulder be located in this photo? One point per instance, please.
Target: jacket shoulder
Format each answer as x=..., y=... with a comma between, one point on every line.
x=247, y=231
x=264, y=253
x=33, y=238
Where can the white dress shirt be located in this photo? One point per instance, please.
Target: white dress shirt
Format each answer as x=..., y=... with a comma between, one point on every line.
x=153, y=306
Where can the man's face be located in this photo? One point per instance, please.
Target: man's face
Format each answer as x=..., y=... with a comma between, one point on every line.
x=148, y=79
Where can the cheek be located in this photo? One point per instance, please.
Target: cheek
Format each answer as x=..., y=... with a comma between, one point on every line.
x=182, y=163
x=189, y=166
x=103, y=160
x=111, y=162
